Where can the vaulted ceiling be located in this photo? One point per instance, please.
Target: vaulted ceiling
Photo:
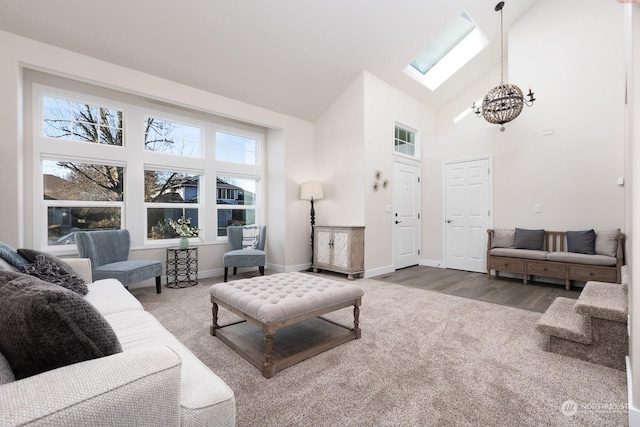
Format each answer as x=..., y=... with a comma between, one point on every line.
x=291, y=56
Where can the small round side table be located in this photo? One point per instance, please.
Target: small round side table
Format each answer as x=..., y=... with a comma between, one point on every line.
x=182, y=267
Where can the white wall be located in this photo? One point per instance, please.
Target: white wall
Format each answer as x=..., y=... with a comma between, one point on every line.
x=291, y=137
x=354, y=139
x=578, y=77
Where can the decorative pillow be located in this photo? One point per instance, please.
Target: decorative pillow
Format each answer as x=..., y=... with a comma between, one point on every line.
x=10, y=255
x=581, y=242
x=529, y=239
x=45, y=326
x=503, y=238
x=250, y=236
x=52, y=272
x=606, y=242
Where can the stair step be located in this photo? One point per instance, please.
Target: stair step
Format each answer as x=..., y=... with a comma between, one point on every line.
x=607, y=301
x=561, y=320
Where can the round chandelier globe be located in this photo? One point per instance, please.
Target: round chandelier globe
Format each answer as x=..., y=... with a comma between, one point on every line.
x=502, y=104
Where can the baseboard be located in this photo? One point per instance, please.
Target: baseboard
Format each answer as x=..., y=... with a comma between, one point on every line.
x=379, y=271
x=634, y=413
x=431, y=263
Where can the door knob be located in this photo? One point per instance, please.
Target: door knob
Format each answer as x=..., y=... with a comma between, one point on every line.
x=449, y=221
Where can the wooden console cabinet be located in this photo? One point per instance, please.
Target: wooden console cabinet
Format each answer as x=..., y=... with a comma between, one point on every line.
x=339, y=249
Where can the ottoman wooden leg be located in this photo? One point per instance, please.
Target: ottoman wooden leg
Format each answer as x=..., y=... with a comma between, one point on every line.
x=356, y=320
x=214, y=312
x=269, y=369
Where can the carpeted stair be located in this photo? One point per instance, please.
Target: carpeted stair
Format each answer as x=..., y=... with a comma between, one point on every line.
x=591, y=328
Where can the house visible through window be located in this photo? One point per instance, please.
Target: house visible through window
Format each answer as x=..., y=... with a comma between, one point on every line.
x=405, y=141
x=236, y=200
x=450, y=51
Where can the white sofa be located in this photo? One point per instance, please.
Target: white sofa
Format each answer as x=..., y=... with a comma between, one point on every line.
x=155, y=381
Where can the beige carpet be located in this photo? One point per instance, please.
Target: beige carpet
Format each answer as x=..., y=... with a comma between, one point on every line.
x=425, y=359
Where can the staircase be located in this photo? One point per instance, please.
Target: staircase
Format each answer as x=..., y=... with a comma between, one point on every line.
x=591, y=328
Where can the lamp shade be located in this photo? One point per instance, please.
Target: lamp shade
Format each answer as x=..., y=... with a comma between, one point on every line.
x=311, y=190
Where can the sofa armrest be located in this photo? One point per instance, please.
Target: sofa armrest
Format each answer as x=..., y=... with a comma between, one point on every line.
x=139, y=387
x=82, y=266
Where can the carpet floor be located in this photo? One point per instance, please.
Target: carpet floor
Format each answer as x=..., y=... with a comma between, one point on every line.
x=424, y=359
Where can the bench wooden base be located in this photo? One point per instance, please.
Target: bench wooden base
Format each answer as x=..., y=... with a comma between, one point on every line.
x=298, y=339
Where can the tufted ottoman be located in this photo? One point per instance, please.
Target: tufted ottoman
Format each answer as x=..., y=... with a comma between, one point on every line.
x=291, y=303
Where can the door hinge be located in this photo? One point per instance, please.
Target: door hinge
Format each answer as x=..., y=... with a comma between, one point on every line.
x=418, y=251
x=418, y=215
x=488, y=213
x=488, y=171
x=418, y=179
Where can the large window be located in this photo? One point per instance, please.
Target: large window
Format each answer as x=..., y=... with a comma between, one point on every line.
x=122, y=162
x=170, y=195
x=80, y=197
x=236, y=200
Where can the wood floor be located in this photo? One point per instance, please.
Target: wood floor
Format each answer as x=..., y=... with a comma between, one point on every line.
x=534, y=296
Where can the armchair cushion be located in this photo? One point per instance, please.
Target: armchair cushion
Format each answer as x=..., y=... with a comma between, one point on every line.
x=128, y=272
x=46, y=326
x=244, y=258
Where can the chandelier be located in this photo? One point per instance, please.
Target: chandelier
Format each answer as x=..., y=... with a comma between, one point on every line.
x=504, y=102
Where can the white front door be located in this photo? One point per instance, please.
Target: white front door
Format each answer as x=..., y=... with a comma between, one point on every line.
x=466, y=214
x=406, y=215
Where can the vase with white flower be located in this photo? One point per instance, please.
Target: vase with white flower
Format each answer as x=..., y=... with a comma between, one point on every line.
x=184, y=230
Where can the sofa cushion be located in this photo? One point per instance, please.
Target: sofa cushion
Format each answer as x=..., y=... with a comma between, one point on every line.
x=606, y=242
x=10, y=255
x=45, y=326
x=52, y=269
x=109, y=296
x=581, y=242
x=529, y=239
x=503, y=238
x=519, y=253
x=582, y=258
x=203, y=395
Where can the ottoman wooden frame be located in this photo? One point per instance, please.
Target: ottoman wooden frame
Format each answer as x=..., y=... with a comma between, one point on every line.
x=241, y=338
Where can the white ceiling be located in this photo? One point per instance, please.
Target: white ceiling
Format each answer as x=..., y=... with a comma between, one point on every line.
x=291, y=56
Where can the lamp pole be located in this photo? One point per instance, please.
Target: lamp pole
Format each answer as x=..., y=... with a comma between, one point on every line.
x=313, y=222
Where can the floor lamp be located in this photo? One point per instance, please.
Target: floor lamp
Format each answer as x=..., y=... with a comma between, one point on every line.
x=311, y=190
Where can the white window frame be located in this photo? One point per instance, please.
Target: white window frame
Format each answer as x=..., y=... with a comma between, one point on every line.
x=135, y=159
x=417, y=140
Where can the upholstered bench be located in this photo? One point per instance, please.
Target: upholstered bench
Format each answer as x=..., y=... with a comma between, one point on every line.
x=291, y=303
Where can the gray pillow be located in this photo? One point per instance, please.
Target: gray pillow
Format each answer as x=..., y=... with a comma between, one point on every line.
x=9, y=254
x=52, y=269
x=581, y=242
x=529, y=239
x=606, y=242
x=503, y=238
x=45, y=326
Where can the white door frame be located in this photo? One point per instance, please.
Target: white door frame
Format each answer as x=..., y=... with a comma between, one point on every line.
x=418, y=196
x=445, y=163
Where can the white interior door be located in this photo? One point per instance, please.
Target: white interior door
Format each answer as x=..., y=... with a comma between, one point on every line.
x=406, y=215
x=466, y=214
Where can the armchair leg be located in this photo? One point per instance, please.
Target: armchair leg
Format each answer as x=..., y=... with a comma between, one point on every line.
x=226, y=270
x=261, y=268
x=158, y=285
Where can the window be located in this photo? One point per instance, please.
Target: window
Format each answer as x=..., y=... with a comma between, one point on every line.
x=77, y=121
x=80, y=197
x=404, y=142
x=169, y=137
x=125, y=162
x=461, y=41
x=236, y=200
x=235, y=148
x=170, y=195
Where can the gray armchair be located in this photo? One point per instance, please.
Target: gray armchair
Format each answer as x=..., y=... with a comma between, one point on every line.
x=108, y=251
x=244, y=257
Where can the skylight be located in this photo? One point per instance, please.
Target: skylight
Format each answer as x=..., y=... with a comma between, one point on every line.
x=461, y=41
